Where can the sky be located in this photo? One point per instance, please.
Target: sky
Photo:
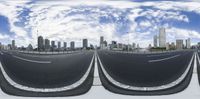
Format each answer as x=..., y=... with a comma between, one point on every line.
x=125, y=21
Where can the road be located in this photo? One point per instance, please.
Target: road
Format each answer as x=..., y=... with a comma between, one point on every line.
x=46, y=71
x=145, y=70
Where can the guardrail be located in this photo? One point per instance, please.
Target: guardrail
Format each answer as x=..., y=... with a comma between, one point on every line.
x=45, y=53
x=150, y=52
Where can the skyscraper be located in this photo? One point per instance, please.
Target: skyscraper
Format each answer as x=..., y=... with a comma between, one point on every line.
x=53, y=46
x=113, y=44
x=167, y=46
x=13, y=44
x=65, y=45
x=72, y=45
x=40, y=43
x=85, y=43
x=162, y=37
x=155, y=41
x=188, y=43
x=47, y=44
x=59, y=45
x=134, y=45
x=179, y=44
x=101, y=42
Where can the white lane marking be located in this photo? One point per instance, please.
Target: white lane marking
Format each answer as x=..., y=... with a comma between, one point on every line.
x=157, y=55
x=161, y=87
x=157, y=60
x=198, y=61
x=59, y=89
x=33, y=61
x=96, y=81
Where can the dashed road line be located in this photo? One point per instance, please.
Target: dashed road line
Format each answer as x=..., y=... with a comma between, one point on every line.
x=163, y=59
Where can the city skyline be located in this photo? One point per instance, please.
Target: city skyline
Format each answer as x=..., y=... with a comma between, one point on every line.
x=136, y=21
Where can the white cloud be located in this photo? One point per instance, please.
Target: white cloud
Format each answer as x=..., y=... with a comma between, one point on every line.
x=183, y=33
x=50, y=20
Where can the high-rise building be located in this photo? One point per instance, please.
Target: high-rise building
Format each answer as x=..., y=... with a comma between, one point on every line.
x=188, y=43
x=47, y=44
x=162, y=37
x=72, y=45
x=40, y=43
x=167, y=46
x=59, y=45
x=134, y=45
x=53, y=46
x=105, y=43
x=101, y=42
x=113, y=44
x=155, y=41
x=85, y=43
x=13, y=45
x=65, y=45
x=172, y=46
x=179, y=44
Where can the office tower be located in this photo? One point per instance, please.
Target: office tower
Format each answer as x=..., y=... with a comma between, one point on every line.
x=113, y=44
x=133, y=45
x=172, y=46
x=155, y=41
x=188, y=43
x=59, y=45
x=53, y=46
x=9, y=47
x=13, y=45
x=40, y=43
x=85, y=43
x=105, y=43
x=47, y=44
x=101, y=42
x=72, y=45
x=65, y=45
x=167, y=46
x=162, y=37
x=179, y=44
x=101, y=39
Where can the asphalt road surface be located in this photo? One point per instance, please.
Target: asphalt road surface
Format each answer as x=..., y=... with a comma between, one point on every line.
x=145, y=70
x=46, y=71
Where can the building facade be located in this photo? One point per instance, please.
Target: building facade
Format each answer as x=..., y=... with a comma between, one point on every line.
x=40, y=43
x=155, y=41
x=13, y=45
x=188, y=43
x=72, y=45
x=162, y=37
x=85, y=43
x=47, y=44
x=179, y=44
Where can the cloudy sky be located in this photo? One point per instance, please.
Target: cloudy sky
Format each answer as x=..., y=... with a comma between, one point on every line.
x=125, y=21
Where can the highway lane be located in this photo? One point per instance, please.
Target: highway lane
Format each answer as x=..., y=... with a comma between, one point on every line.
x=145, y=70
x=46, y=71
x=198, y=65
